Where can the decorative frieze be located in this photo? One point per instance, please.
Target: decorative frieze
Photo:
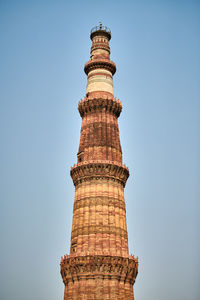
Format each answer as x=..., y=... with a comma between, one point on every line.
x=99, y=169
x=99, y=200
x=99, y=266
x=106, y=104
x=100, y=45
x=100, y=64
x=94, y=229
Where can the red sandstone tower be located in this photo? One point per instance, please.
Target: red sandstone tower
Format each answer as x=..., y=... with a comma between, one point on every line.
x=99, y=266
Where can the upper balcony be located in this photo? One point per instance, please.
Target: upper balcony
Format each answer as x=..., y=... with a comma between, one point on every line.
x=98, y=30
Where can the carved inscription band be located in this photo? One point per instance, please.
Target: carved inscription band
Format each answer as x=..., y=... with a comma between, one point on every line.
x=101, y=125
x=94, y=201
x=93, y=229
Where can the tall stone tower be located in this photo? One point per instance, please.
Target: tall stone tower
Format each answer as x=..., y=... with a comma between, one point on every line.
x=99, y=265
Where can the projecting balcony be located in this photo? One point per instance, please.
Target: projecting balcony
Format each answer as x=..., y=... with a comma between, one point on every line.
x=97, y=30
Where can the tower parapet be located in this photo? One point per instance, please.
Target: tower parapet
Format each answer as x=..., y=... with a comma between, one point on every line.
x=99, y=31
x=99, y=265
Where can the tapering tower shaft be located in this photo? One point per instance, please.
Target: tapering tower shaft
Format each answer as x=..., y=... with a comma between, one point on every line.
x=99, y=265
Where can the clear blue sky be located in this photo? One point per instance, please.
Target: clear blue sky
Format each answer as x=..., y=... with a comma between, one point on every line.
x=43, y=48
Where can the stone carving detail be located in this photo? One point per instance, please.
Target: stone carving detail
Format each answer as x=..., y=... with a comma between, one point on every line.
x=94, y=201
x=93, y=229
x=100, y=104
x=105, y=267
x=99, y=169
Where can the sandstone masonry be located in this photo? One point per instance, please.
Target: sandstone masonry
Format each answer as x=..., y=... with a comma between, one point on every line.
x=99, y=265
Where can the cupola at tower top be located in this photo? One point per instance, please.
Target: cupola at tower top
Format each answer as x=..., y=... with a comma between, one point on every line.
x=99, y=31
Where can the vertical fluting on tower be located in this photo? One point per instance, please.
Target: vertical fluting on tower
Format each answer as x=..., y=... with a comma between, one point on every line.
x=99, y=265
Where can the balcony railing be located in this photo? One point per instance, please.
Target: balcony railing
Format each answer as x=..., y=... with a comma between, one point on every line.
x=100, y=28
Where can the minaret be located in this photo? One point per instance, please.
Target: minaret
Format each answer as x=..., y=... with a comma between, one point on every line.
x=99, y=265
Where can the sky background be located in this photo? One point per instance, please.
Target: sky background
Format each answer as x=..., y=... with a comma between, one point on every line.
x=43, y=48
